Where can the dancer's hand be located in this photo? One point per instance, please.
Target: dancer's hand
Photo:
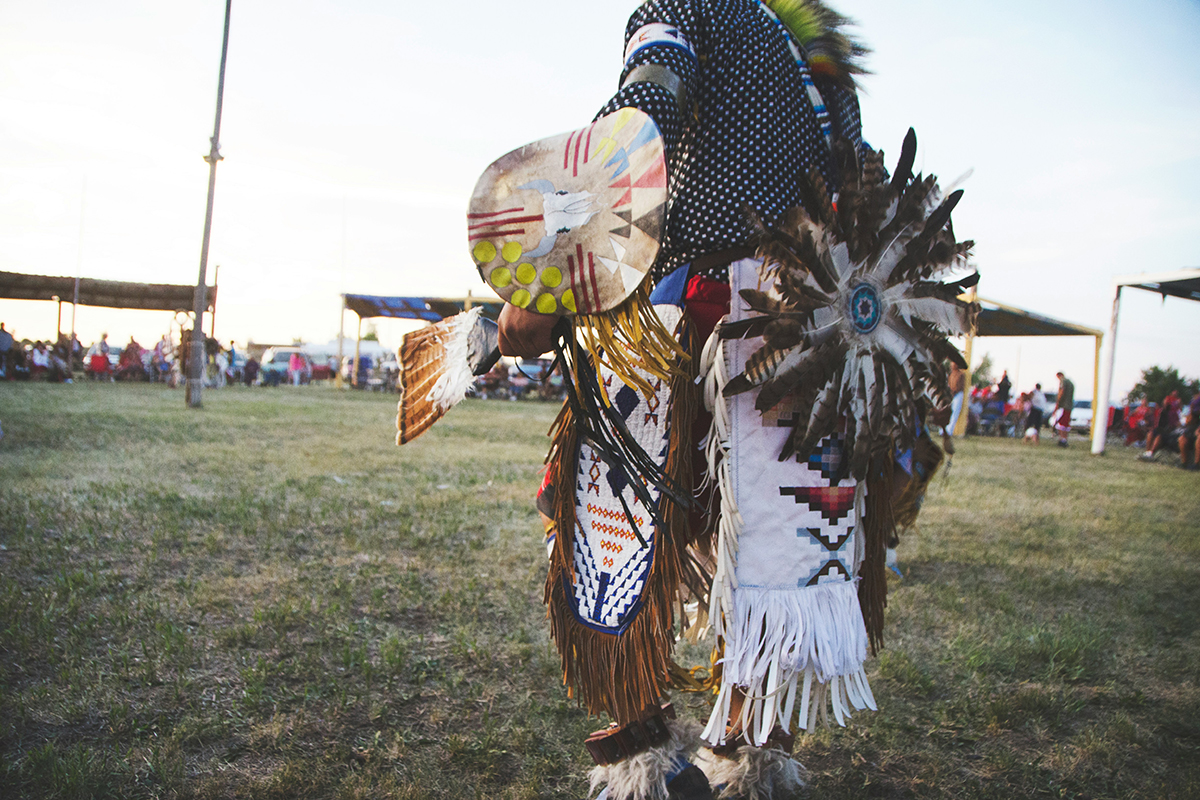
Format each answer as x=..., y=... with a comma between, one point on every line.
x=524, y=333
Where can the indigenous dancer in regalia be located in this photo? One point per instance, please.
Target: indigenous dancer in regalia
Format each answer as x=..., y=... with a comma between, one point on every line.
x=752, y=333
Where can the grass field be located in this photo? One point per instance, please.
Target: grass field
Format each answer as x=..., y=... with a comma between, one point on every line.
x=268, y=599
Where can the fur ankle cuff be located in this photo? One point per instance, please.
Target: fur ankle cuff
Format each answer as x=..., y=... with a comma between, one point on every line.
x=755, y=773
x=644, y=776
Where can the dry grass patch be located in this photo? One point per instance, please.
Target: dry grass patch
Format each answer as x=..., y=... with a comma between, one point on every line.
x=268, y=599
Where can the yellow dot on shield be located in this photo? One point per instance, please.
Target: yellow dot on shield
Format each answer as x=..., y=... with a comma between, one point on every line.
x=547, y=304
x=501, y=277
x=511, y=251
x=551, y=277
x=568, y=300
x=484, y=252
x=526, y=273
x=520, y=298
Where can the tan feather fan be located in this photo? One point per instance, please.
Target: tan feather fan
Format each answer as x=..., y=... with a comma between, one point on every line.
x=437, y=368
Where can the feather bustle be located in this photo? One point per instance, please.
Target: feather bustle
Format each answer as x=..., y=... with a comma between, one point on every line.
x=908, y=156
x=823, y=417
x=822, y=360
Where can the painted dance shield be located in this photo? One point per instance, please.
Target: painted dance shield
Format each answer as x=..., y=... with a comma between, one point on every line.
x=571, y=224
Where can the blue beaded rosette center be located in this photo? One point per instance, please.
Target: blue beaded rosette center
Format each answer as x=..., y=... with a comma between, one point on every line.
x=865, y=308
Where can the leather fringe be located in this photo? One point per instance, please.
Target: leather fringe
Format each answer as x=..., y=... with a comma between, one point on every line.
x=621, y=675
x=879, y=526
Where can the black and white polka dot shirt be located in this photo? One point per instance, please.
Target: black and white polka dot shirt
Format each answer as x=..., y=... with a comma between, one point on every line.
x=755, y=127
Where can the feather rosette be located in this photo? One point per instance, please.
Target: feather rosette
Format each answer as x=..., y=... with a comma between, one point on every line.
x=860, y=307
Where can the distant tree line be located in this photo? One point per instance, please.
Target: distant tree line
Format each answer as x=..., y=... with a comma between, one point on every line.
x=1157, y=383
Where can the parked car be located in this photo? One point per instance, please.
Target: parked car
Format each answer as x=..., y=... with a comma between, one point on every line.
x=1081, y=416
x=274, y=368
x=323, y=368
x=1081, y=413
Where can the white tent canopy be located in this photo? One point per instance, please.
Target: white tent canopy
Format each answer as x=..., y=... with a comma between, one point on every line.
x=1184, y=284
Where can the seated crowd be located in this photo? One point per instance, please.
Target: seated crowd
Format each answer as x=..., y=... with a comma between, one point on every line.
x=1166, y=426
x=61, y=361
x=35, y=360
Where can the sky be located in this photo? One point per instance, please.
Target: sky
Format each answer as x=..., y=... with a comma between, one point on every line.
x=354, y=131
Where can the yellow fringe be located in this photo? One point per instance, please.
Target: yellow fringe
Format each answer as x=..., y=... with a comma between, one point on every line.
x=629, y=338
x=698, y=679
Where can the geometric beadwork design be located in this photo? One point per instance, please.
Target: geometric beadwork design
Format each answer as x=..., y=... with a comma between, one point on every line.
x=831, y=570
x=834, y=502
x=796, y=529
x=865, y=308
x=611, y=565
x=831, y=538
x=827, y=457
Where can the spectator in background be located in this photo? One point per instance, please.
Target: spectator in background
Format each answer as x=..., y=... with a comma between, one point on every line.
x=250, y=371
x=60, y=362
x=1062, y=408
x=234, y=370
x=1039, y=400
x=160, y=360
x=6, y=346
x=1032, y=421
x=1168, y=421
x=39, y=361
x=1003, y=390
x=220, y=368
x=1140, y=423
x=1189, y=442
x=18, y=366
x=130, y=366
x=974, y=410
x=364, y=371
x=296, y=368
x=97, y=360
x=958, y=385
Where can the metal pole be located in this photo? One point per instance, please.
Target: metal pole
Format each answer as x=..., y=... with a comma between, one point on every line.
x=357, y=349
x=196, y=359
x=1106, y=362
x=78, y=270
x=1103, y=429
x=74, y=305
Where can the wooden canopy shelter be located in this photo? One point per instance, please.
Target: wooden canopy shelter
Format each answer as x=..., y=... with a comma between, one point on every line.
x=104, y=294
x=107, y=294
